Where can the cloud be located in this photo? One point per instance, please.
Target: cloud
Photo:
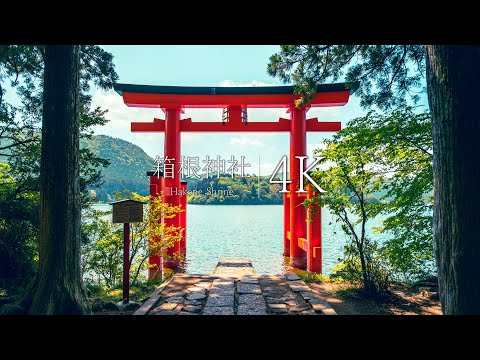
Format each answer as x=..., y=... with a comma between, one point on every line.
x=246, y=141
x=312, y=147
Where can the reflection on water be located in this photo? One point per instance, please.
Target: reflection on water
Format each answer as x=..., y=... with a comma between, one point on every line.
x=250, y=231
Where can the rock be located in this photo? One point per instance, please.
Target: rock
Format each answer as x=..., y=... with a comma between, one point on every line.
x=224, y=282
x=175, y=299
x=218, y=310
x=197, y=289
x=194, y=309
x=434, y=296
x=249, y=281
x=287, y=297
x=166, y=312
x=222, y=291
x=186, y=313
x=111, y=306
x=11, y=309
x=298, y=286
x=248, y=288
x=427, y=288
x=196, y=296
x=320, y=307
x=292, y=276
x=297, y=308
x=204, y=285
x=176, y=294
x=251, y=299
x=424, y=293
x=214, y=301
x=131, y=306
x=308, y=295
x=166, y=306
x=277, y=306
x=97, y=304
x=223, y=287
x=244, y=309
x=271, y=300
x=193, y=302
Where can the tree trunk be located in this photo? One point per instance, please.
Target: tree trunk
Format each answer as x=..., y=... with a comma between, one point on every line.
x=58, y=288
x=453, y=80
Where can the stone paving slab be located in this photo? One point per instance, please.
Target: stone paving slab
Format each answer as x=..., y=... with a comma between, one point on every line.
x=244, y=309
x=219, y=310
x=235, y=289
x=234, y=267
x=243, y=288
x=220, y=300
x=251, y=300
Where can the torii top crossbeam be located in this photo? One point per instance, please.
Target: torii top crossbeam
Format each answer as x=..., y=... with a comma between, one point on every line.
x=232, y=98
x=235, y=101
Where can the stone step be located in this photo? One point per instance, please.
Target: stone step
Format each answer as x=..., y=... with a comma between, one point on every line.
x=235, y=289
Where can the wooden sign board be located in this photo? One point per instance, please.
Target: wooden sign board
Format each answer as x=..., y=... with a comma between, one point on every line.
x=127, y=211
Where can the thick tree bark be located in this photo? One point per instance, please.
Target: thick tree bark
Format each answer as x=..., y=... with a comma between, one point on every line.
x=58, y=286
x=453, y=80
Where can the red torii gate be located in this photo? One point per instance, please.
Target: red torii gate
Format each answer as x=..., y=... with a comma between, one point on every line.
x=302, y=241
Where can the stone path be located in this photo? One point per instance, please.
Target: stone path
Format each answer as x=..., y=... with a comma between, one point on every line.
x=235, y=289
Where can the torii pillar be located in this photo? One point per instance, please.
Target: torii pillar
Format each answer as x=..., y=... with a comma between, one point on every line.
x=299, y=243
x=172, y=151
x=298, y=214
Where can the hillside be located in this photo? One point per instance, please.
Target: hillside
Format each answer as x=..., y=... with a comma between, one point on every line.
x=128, y=165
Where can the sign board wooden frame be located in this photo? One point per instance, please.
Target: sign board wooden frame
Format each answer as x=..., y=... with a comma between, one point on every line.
x=127, y=211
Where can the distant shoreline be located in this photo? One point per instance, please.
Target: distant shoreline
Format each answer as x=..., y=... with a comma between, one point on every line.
x=262, y=204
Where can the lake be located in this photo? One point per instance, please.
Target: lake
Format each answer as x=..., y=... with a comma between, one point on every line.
x=250, y=231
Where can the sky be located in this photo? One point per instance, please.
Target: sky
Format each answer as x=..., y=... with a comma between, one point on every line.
x=200, y=65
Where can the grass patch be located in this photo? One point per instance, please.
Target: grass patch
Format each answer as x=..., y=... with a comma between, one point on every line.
x=138, y=293
x=310, y=277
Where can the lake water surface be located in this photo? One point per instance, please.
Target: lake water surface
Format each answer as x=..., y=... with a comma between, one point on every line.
x=249, y=231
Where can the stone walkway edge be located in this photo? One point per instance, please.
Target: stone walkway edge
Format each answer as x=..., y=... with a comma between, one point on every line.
x=235, y=289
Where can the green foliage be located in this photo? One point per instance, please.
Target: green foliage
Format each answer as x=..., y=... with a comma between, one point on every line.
x=381, y=75
x=138, y=292
x=128, y=165
x=18, y=229
x=377, y=267
x=102, y=250
x=351, y=177
x=382, y=164
x=311, y=277
x=399, y=144
x=21, y=72
x=244, y=191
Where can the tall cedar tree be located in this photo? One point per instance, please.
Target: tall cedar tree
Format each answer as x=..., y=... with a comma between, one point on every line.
x=58, y=287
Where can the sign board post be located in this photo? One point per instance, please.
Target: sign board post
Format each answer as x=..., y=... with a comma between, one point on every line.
x=126, y=212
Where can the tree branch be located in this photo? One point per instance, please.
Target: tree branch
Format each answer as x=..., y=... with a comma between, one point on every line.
x=16, y=144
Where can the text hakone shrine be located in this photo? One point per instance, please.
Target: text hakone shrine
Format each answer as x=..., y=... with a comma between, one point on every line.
x=302, y=239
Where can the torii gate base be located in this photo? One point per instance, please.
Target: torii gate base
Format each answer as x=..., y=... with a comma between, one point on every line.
x=302, y=228
x=156, y=263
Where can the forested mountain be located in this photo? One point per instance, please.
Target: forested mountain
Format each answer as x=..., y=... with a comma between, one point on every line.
x=129, y=164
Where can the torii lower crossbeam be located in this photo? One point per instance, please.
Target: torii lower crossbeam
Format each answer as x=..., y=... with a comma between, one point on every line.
x=298, y=242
